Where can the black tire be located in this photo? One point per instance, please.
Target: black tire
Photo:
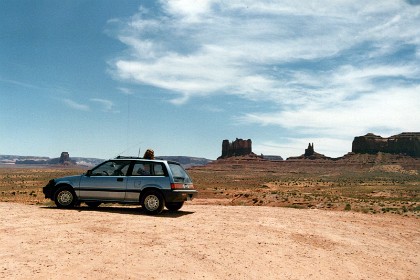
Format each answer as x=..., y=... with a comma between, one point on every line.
x=93, y=204
x=152, y=202
x=174, y=206
x=65, y=197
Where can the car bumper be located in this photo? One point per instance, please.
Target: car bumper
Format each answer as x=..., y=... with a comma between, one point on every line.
x=179, y=195
x=48, y=189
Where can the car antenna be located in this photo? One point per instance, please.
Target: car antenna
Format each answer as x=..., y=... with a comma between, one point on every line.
x=119, y=154
x=138, y=155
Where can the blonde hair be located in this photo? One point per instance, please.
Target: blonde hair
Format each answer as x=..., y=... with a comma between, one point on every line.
x=149, y=154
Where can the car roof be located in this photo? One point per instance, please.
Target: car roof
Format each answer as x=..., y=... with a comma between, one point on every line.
x=121, y=158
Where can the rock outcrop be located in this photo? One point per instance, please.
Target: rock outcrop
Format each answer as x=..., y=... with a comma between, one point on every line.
x=310, y=150
x=271, y=157
x=239, y=147
x=310, y=154
x=65, y=157
x=406, y=143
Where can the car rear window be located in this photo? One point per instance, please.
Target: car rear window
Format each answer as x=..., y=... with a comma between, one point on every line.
x=148, y=169
x=180, y=175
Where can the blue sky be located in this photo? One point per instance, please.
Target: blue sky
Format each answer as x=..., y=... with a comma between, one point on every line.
x=102, y=78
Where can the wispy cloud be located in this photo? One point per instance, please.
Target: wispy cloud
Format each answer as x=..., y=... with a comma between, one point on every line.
x=393, y=108
x=188, y=11
x=105, y=105
x=19, y=83
x=125, y=90
x=77, y=106
x=325, y=66
x=214, y=46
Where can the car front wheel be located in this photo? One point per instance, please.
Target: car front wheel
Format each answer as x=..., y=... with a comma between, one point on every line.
x=152, y=202
x=65, y=198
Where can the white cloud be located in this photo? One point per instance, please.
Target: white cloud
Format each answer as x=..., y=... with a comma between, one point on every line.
x=19, y=83
x=337, y=67
x=189, y=11
x=227, y=53
x=394, y=109
x=125, y=90
x=106, y=105
x=74, y=105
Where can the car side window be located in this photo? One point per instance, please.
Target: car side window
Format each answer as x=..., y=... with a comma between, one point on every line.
x=112, y=168
x=158, y=169
x=148, y=169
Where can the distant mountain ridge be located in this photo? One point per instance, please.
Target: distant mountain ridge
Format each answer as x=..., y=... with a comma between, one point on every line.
x=82, y=161
x=187, y=161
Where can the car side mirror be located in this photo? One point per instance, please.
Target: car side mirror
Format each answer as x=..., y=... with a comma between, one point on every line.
x=89, y=173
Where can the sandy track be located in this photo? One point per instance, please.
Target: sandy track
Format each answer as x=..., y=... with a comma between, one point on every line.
x=205, y=242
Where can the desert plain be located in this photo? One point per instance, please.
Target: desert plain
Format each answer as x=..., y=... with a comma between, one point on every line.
x=356, y=218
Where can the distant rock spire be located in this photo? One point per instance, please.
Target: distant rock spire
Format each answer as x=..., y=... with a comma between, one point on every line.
x=310, y=150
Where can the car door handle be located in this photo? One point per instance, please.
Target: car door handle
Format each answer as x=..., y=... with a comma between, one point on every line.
x=120, y=179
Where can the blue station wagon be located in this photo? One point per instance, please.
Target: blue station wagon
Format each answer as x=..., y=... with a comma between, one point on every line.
x=154, y=184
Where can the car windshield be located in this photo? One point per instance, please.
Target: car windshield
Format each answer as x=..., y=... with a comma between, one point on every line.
x=179, y=174
x=111, y=168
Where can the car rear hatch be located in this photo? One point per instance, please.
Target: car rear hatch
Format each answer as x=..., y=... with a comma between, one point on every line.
x=181, y=180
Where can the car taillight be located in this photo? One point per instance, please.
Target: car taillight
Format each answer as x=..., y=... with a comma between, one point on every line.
x=181, y=186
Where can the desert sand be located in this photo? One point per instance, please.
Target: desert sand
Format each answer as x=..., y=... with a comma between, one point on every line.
x=205, y=242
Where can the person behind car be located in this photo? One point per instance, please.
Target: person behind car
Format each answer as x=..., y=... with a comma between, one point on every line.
x=149, y=154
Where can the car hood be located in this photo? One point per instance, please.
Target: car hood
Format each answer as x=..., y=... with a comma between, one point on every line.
x=74, y=178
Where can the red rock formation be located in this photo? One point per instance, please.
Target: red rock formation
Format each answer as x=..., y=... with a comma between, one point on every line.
x=239, y=147
x=310, y=154
x=407, y=143
x=65, y=157
x=310, y=150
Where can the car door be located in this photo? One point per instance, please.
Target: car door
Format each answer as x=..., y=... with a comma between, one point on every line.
x=146, y=174
x=106, y=182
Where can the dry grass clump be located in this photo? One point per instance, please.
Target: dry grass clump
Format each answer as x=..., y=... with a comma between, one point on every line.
x=24, y=184
x=368, y=186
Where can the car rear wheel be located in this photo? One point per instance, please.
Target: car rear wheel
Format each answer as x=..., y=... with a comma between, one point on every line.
x=65, y=198
x=174, y=206
x=152, y=202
